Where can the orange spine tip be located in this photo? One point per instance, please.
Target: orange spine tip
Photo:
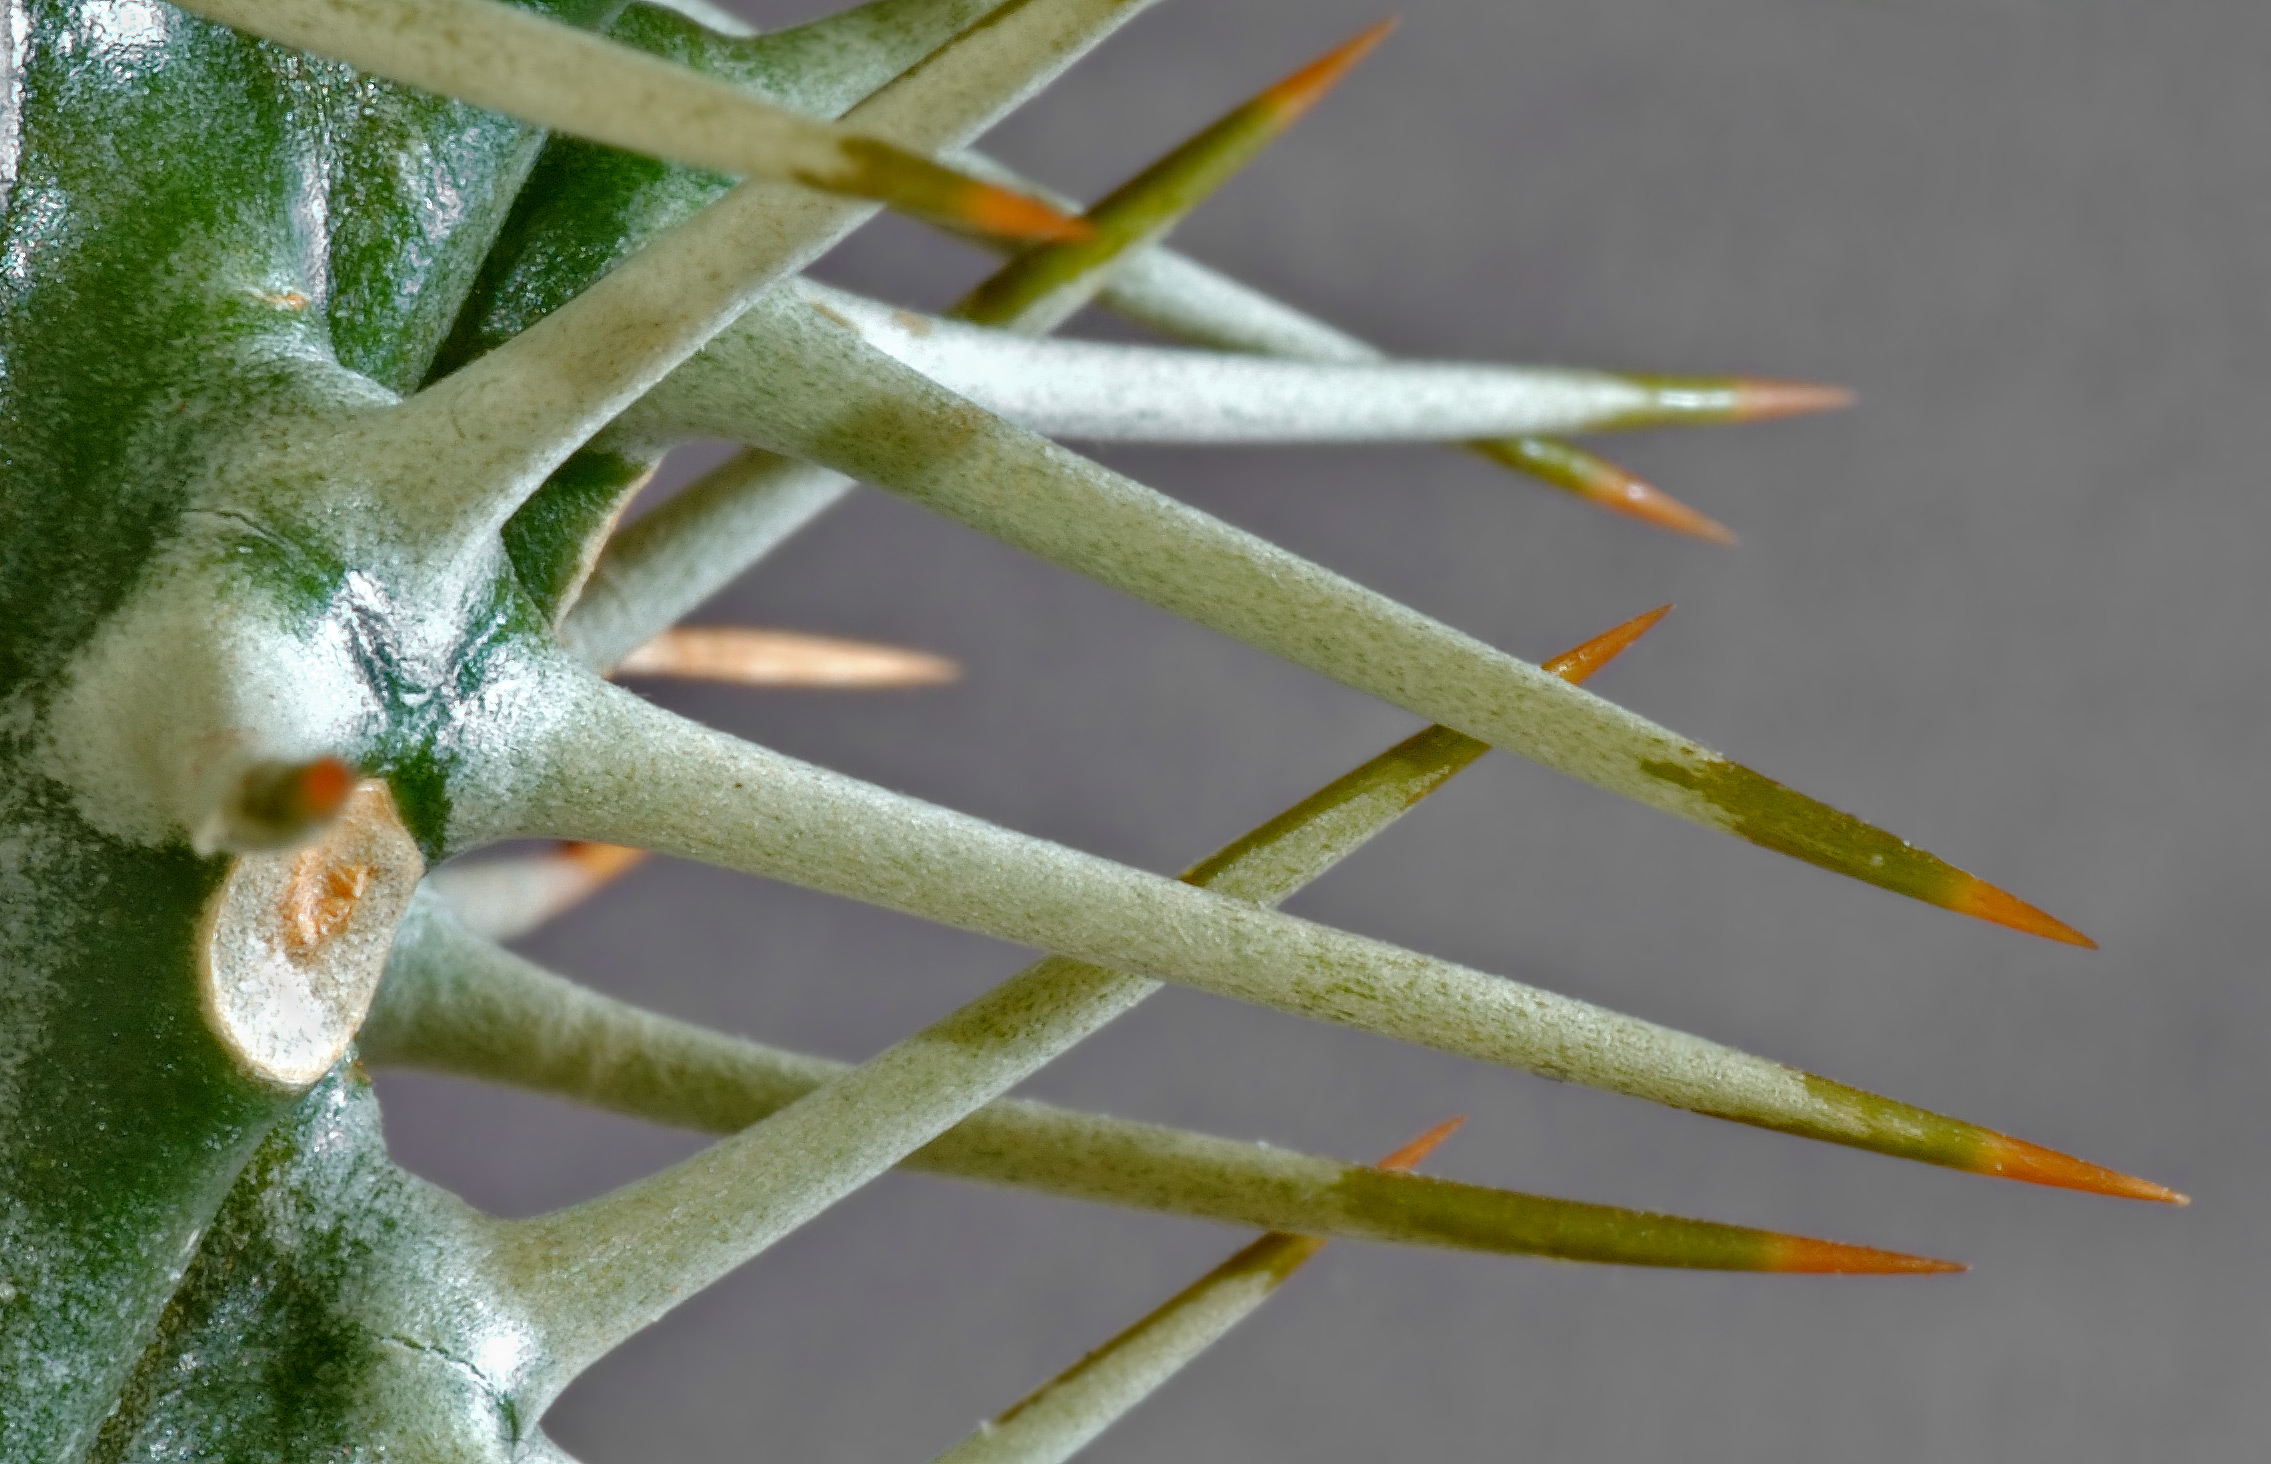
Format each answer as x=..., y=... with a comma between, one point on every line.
x=1409, y=1156
x=1622, y=491
x=1604, y=484
x=1287, y=100
x=1011, y=215
x=2017, y=1159
x=742, y=656
x=322, y=788
x=1577, y=665
x=601, y=862
x=1797, y=1255
x=1758, y=399
x=1983, y=901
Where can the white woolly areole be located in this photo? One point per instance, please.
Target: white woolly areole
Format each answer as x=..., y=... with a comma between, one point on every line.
x=294, y=944
x=193, y=684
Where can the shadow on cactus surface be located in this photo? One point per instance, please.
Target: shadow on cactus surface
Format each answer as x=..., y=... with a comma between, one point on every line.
x=338, y=334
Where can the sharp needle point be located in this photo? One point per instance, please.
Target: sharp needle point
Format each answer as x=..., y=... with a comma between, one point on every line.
x=2017, y=1159
x=1598, y=481
x=1984, y=901
x=1647, y=502
x=1305, y=88
x=1012, y=215
x=1797, y=1255
x=1409, y=1156
x=1627, y=493
x=1758, y=399
x=1577, y=665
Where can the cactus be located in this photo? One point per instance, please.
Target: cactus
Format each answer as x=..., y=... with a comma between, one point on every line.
x=337, y=335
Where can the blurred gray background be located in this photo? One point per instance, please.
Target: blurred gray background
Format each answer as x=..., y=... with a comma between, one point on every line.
x=2008, y=607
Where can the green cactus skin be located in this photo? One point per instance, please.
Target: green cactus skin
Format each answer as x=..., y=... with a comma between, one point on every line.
x=177, y=294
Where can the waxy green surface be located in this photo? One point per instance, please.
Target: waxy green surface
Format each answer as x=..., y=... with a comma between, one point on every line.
x=337, y=1309
x=204, y=234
